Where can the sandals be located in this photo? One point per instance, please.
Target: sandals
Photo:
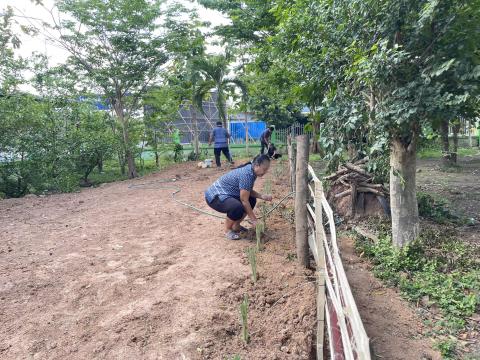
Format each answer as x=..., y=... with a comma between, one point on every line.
x=232, y=235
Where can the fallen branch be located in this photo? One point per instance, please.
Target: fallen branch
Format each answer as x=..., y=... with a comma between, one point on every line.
x=343, y=194
x=370, y=190
x=358, y=169
x=361, y=161
x=338, y=173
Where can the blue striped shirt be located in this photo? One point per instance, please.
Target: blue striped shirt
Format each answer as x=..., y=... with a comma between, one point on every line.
x=230, y=184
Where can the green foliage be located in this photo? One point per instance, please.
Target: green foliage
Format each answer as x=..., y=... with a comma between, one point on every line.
x=447, y=348
x=244, y=316
x=431, y=207
x=437, y=270
x=178, y=152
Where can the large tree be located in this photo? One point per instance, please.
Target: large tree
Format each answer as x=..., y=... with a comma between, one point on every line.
x=117, y=45
x=391, y=66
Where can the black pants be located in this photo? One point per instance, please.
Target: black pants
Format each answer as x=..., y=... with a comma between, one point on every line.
x=231, y=206
x=218, y=151
x=264, y=147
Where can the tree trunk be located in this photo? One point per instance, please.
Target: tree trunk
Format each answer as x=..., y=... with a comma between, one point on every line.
x=118, y=106
x=301, y=229
x=100, y=163
x=155, y=148
x=469, y=128
x=121, y=162
x=446, y=155
x=456, y=129
x=315, y=148
x=195, y=131
x=403, y=199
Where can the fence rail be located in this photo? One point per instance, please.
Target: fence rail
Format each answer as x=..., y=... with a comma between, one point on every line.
x=336, y=306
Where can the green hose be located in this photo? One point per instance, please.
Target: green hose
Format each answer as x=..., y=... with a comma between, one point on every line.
x=176, y=190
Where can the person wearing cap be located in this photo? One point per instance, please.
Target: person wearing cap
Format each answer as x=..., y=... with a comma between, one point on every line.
x=221, y=138
x=265, y=139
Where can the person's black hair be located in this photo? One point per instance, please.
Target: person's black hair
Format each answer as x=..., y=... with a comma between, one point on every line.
x=257, y=161
x=219, y=123
x=271, y=127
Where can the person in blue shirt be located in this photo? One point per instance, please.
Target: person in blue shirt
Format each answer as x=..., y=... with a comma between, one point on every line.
x=233, y=194
x=221, y=137
x=265, y=138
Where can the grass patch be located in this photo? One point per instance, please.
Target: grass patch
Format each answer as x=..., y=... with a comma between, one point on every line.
x=438, y=272
x=433, y=208
x=436, y=152
x=111, y=170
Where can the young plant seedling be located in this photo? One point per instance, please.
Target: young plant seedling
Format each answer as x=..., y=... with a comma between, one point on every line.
x=252, y=258
x=259, y=229
x=264, y=216
x=244, y=314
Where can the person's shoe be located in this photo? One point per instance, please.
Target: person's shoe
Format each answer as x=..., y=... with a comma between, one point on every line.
x=232, y=235
x=241, y=229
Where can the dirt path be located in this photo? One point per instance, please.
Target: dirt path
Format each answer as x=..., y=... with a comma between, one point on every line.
x=120, y=273
x=395, y=332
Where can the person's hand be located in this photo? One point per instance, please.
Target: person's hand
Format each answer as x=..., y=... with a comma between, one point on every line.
x=253, y=221
x=267, y=197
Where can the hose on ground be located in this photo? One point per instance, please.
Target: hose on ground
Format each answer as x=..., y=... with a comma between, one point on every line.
x=154, y=186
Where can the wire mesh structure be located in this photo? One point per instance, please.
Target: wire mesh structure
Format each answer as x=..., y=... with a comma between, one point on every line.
x=205, y=121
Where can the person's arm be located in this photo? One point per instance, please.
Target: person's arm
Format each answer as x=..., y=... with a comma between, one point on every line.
x=257, y=195
x=244, y=198
x=228, y=137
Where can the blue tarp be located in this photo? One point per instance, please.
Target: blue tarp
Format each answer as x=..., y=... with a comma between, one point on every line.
x=255, y=129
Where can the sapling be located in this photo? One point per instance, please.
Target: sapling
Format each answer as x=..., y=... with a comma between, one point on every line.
x=259, y=229
x=264, y=216
x=244, y=314
x=252, y=258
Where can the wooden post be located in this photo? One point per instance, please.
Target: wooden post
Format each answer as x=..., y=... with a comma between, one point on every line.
x=321, y=269
x=291, y=161
x=301, y=222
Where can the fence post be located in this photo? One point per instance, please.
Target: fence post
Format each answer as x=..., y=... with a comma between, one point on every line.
x=301, y=223
x=291, y=160
x=321, y=269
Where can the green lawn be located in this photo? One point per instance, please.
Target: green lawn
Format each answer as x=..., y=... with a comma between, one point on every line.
x=436, y=153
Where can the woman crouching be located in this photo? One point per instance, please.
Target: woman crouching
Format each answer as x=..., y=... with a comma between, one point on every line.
x=233, y=194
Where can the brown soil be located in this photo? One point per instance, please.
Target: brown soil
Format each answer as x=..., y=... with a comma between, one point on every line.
x=460, y=186
x=121, y=273
x=395, y=331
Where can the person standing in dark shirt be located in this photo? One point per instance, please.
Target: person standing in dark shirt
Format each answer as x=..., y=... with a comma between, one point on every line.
x=221, y=137
x=265, y=139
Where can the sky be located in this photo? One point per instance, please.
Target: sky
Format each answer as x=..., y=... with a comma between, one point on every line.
x=31, y=14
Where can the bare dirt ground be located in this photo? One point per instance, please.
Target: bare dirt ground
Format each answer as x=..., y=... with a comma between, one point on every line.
x=125, y=273
x=460, y=187
x=121, y=273
x=395, y=331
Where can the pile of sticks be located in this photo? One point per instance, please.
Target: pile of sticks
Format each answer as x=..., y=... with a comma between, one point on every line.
x=356, y=180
